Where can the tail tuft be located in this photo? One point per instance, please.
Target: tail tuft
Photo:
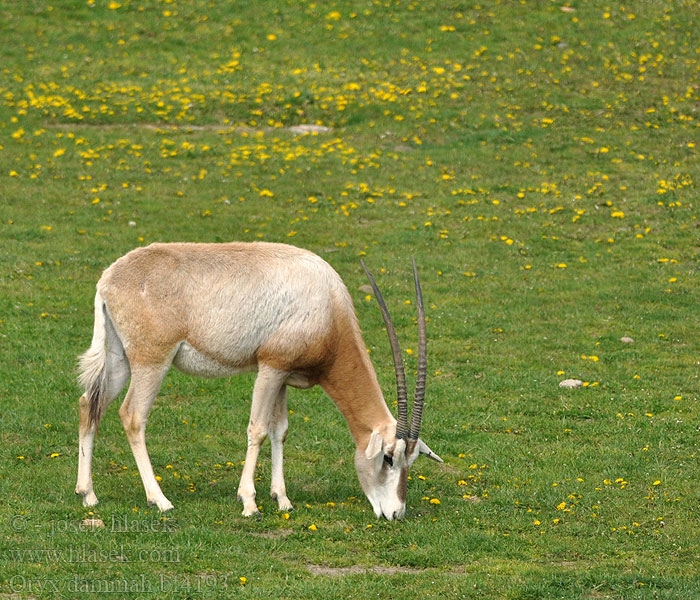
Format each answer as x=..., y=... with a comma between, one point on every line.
x=92, y=379
x=92, y=365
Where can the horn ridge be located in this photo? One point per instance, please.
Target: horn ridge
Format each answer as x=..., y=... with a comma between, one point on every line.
x=419, y=398
x=401, y=393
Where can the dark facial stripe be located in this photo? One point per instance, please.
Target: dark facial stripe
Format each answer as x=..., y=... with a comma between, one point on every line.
x=403, y=484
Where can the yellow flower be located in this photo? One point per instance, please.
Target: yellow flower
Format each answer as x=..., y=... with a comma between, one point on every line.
x=313, y=527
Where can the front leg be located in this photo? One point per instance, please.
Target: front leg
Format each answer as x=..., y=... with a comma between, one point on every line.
x=278, y=433
x=267, y=388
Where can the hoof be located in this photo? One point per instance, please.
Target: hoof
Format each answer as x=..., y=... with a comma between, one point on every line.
x=89, y=499
x=285, y=505
x=282, y=502
x=163, y=504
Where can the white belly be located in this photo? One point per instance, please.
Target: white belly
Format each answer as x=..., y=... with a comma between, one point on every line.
x=192, y=361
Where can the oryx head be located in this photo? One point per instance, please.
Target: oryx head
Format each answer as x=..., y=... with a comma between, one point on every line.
x=382, y=467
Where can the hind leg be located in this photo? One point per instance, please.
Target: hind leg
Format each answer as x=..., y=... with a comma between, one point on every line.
x=118, y=369
x=86, y=441
x=278, y=433
x=145, y=383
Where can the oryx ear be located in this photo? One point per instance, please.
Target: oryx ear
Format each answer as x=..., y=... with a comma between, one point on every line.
x=375, y=446
x=423, y=449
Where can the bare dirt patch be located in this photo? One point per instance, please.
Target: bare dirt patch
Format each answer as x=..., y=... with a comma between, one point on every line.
x=272, y=535
x=187, y=128
x=327, y=571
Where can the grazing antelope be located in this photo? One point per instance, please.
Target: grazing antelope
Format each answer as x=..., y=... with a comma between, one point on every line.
x=215, y=310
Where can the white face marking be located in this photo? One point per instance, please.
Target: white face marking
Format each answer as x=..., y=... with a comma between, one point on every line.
x=382, y=470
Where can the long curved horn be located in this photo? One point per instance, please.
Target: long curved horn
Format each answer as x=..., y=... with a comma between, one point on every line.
x=417, y=412
x=401, y=394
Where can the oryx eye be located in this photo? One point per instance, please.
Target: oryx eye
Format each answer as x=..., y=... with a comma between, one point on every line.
x=389, y=460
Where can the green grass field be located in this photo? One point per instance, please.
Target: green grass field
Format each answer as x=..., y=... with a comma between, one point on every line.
x=540, y=161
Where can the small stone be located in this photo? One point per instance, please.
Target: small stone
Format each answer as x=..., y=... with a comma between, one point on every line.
x=571, y=383
x=93, y=523
x=627, y=340
x=367, y=289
